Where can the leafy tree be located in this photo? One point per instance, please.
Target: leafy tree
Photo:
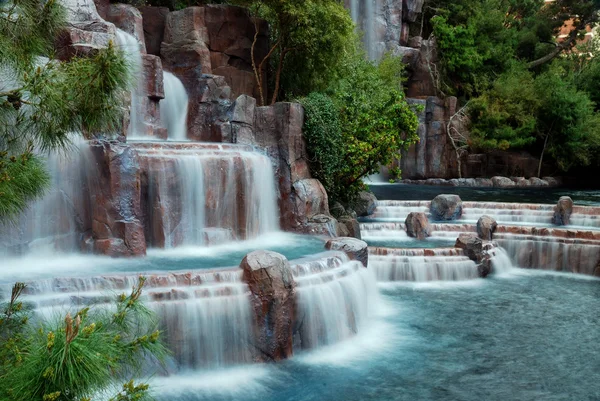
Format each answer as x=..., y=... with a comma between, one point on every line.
x=307, y=37
x=77, y=357
x=43, y=101
x=505, y=116
x=361, y=122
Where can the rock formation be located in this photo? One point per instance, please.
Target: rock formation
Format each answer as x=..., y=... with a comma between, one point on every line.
x=272, y=287
x=365, y=204
x=446, y=207
x=116, y=226
x=562, y=211
x=417, y=225
x=486, y=227
x=354, y=248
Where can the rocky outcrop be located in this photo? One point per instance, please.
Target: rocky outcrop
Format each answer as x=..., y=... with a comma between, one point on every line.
x=563, y=211
x=272, y=288
x=417, y=225
x=86, y=31
x=277, y=130
x=355, y=249
x=214, y=39
x=231, y=31
x=116, y=227
x=486, y=227
x=365, y=204
x=129, y=19
x=478, y=251
x=502, y=182
x=446, y=207
x=432, y=155
x=154, y=20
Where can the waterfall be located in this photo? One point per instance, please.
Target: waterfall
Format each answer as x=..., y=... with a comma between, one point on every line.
x=501, y=262
x=336, y=297
x=195, y=193
x=210, y=326
x=363, y=15
x=174, y=107
x=132, y=50
x=206, y=316
x=421, y=265
x=551, y=253
x=57, y=220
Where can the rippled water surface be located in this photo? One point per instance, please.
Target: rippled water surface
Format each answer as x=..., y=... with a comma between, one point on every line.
x=525, y=336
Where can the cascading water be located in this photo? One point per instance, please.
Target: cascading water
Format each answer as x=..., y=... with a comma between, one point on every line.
x=336, y=297
x=58, y=220
x=363, y=14
x=501, y=262
x=206, y=316
x=174, y=107
x=132, y=50
x=421, y=265
x=195, y=192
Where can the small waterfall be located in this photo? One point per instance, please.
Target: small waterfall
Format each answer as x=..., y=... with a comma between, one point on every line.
x=208, y=326
x=206, y=316
x=421, y=265
x=336, y=297
x=363, y=15
x=501, y=262
x=552, y=253
x=195, y=193
x=132, y=50
x=174, y=107
x=58, y=219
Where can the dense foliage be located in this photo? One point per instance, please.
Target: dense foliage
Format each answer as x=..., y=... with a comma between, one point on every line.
x=76, y=357
x=307, y=39
x=525, y=88
x=43, y=101
x=359, y=123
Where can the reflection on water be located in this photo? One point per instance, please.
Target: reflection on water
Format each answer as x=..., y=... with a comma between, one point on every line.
x=521, y=195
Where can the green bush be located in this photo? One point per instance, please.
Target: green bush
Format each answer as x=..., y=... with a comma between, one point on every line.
x=361, y=122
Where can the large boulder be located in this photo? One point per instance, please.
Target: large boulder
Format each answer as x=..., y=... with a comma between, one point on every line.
x=417, y=225
x=486, y=226
x=365, y=204
x=563, y=211
x=446, y=207
x=503, y=182
x=272, y=287
x=354, y=248
x=471, y=246
x=311, y=198
x=348, y=227
x=116, y=226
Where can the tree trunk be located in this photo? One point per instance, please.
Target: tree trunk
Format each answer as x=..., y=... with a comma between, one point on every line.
x=542, y=157
x=278, y=75
x=559, y=49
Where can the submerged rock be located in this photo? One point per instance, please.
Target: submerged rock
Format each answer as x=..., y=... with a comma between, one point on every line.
x=417, y=225
x=269, y=277
x=446, y=207
x=563, y=211
x=486, y=226
x=354, y=248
